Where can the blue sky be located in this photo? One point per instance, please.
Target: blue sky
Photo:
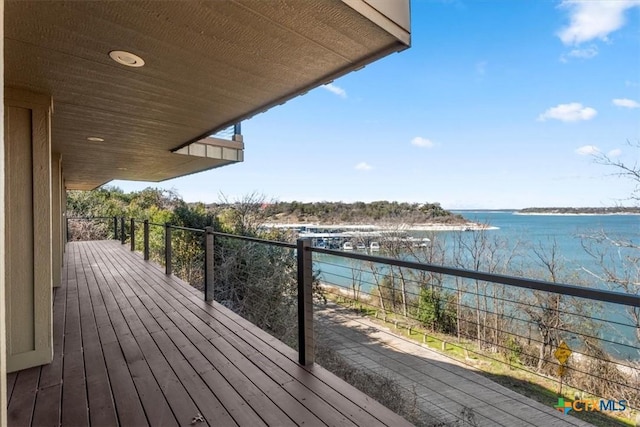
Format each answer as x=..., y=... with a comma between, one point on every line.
x=497, y=104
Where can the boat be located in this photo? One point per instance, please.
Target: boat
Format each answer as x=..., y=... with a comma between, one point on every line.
x=360, y=246
x=347, y=246
x=374, y=246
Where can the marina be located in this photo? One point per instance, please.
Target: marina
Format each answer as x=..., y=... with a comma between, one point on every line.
x=358, y=237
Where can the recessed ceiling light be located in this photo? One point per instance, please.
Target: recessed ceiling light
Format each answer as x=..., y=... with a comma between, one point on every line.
x=95, y=139
x=123, y=169
x=126, y=58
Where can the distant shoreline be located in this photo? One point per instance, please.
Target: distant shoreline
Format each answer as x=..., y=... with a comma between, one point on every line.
x=469, y=226
x=576, y=213
x=593, y=211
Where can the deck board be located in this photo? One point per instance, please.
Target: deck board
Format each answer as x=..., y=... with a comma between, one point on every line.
x=11, y=382
x=136, y=347
x=231, y=327
x=100, y=398
x=23, y=398
x=47, y=407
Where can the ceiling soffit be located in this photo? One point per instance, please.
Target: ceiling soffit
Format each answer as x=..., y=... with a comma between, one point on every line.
x=207, y=65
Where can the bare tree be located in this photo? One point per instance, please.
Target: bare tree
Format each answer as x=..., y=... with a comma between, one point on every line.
x=396, y=248
x=628, y=171
x=617, y=259
x=378, y=277
x=356, y=280
x=545, y=313
x=617, y=264
x=480, y=251
x=244, y=215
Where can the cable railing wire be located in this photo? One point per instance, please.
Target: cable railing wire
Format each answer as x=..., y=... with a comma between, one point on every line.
x=467, y=292
x=504, y=316
x=489, y=328
x=523, y=368
x=480, y=355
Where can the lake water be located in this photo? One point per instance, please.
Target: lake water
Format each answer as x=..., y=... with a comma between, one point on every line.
x=525, y=234
x=568, y=232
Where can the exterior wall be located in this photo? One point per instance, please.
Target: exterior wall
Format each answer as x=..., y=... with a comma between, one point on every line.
x=3, y=335
x=28, y=226
x=57, y=218
x=65, y=231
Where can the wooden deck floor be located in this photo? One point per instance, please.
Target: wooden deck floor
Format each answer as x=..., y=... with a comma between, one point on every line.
x=134, y=347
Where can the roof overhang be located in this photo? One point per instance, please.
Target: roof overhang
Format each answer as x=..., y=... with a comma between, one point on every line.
x=208, y=65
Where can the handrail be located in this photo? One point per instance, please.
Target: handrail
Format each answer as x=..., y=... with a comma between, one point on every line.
x=89, y=218
x=540, y=285
x=77, y=218
x=178, y=227
x=256, y=240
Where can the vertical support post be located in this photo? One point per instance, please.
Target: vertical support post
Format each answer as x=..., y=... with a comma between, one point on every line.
x=209, y=243
x=306, y=339
x=132, y=232
x=115, y=228
x=66, y=226
x=123, y=235
x=146, y=239
x=167, y=248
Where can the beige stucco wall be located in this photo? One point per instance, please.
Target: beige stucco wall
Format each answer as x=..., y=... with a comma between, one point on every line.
x=28, y=229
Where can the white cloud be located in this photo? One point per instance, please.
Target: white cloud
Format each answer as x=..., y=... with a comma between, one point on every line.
x=363, y=166
x=585, y=53
x=581, y=53
x=419, y=141
x=335, y=90
x=626, y=103
x=593, y=19
x=614, y=153
x=587, y=150
x=571, y=112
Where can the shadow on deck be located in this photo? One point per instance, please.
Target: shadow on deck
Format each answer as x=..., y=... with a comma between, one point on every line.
x=444, y=388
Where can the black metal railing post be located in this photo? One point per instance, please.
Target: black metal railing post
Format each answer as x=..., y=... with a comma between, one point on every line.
x=67, y=228
x=123, y=235
x=209, y=242
x=306, y=340
x=132, y=232
x=167, y=248
x=146, y=240
x=115, y=228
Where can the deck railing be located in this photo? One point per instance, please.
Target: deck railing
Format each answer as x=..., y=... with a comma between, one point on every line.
x=522, y=323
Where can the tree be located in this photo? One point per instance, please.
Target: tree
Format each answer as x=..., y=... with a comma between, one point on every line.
x=628, y=171
x=243, y=216
x=618, y=259
x=480, y=251
x=546, y=312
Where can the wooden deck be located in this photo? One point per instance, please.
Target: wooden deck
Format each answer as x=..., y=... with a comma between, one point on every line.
x=134, y=347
